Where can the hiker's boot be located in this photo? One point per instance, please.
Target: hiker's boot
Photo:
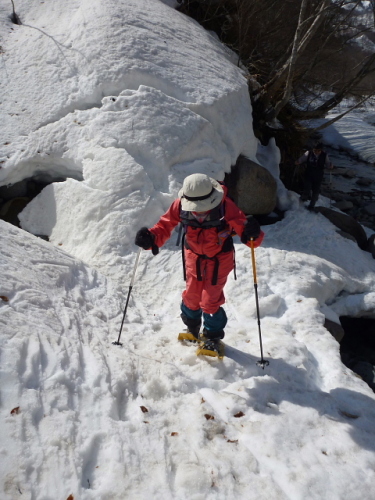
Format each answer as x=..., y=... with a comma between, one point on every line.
x=211, y=345
x=212, y=335
x=193, y=325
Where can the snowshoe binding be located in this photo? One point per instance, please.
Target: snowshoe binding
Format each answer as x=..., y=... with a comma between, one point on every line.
x=213, y=348
x=189, y=336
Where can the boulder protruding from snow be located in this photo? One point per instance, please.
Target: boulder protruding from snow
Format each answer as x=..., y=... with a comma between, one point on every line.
x=252, y=187
x=371, y=245
x=334, y=329
x=347, y=224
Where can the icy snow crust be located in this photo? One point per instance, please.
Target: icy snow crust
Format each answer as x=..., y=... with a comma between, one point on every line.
x=132, y=97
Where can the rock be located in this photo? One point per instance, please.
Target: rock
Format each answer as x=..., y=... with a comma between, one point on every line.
x=350, y=174
x=370, y=208
x=252, y=187
x=10, y=210
x=337, y=197
x=334, y=329
x=366, y=371
x=42, y=237
x=371, y=245
x=363, y=182
x=344, y=205
x=347, y=236
x=346, y=224
x=17, y=190
x=271, y=218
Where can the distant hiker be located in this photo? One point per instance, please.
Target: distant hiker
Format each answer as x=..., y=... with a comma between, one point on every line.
x=209, y=218
x=316, y=161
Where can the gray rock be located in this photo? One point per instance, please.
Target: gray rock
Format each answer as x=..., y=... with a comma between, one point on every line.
x=17, y=190
x=351, y=174
x=370, y=208
x=371, y=245
x=346, y=224
x=366, y=371
x=334, y=329
x=344, y=205
x=252, y=187
x=363, y=182
x=347, y=236
x=10, y=210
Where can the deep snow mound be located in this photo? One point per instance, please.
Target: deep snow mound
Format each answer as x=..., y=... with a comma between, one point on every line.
x=162, y=98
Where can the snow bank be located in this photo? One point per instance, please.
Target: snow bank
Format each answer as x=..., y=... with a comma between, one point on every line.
x=175, y=104
x=355, y=132
x=85, y=418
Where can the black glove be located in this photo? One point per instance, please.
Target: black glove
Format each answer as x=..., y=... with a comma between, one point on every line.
x=145, y=239
x=251, y=230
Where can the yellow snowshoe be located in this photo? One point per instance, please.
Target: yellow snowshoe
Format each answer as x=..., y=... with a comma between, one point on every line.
x=213, y=348
x=188, y=336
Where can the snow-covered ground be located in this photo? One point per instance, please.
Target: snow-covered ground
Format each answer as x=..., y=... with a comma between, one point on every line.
x=126, y=100
x=355, y=132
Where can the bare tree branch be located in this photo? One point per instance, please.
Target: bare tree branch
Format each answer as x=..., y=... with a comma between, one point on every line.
x=338, y=117
x=292, y=61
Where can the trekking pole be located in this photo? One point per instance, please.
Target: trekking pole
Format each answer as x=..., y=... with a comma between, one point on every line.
x=262, y=362
x=129, y=292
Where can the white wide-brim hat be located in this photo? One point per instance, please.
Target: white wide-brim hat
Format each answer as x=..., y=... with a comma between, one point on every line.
x=200, y=193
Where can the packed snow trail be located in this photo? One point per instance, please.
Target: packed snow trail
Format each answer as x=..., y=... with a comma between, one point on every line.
x=151, y=418
x=106, y=419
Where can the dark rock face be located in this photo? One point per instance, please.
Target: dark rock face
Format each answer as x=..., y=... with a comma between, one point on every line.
x=346, y=224
x=252, y=187
x=371, y=245
x=334, y=329
x=15, y=197
x=344, y=205
x=358, y=347
x=9, y=211
x=370, y=208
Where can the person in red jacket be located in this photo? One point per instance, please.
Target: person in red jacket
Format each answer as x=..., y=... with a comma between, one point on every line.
x=209, y=219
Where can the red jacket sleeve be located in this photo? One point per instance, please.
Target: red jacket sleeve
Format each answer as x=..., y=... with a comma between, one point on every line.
x=237, y=220
x=162, y=230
